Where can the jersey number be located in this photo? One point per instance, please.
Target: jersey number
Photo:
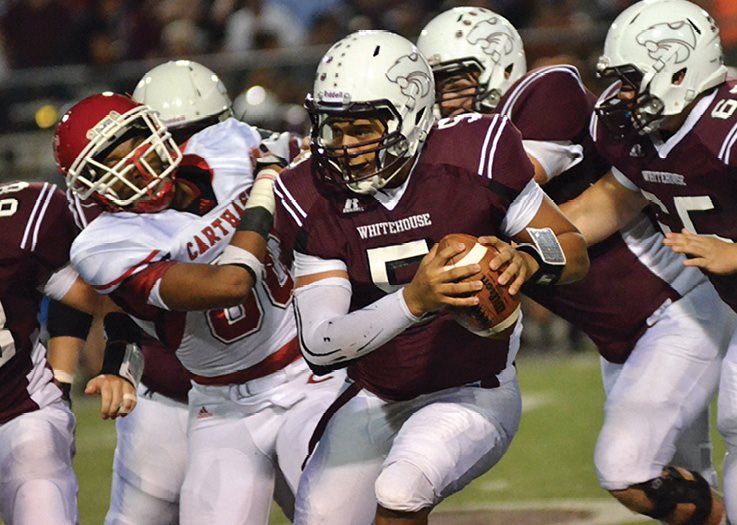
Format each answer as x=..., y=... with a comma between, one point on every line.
x=684, y=206
x=724, y=109
x=449, y=122
x=9, y=206
x=232, y=324
x=7, y=343
x=385, y=261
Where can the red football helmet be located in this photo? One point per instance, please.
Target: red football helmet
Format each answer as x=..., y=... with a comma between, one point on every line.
x=142, y=179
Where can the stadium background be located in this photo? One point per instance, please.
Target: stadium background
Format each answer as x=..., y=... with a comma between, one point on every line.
x=55, y=52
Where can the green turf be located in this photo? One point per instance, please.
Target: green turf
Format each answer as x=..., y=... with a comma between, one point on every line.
x=551, y=457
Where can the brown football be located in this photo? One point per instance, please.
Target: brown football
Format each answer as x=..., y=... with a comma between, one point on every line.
x=497, y=310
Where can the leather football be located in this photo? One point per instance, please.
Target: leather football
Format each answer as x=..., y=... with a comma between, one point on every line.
x=497, y=310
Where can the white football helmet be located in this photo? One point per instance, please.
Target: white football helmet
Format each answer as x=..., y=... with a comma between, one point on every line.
x=467, y=39
x=371, y=74
x=668, y=51
x=184, y=93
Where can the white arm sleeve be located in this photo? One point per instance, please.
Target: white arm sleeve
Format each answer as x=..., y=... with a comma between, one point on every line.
x=329, y=335
x=60, y=282
x=309, y=264
x=554, y=156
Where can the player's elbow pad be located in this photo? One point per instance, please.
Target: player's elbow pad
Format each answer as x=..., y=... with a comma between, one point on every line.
x=331, y=337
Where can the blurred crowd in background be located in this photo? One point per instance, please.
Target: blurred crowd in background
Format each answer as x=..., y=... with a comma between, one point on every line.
x=55, y=52
x=38, y=33
x=105, y=35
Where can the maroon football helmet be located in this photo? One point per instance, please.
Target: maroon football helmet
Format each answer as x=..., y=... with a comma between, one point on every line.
x=142, y=179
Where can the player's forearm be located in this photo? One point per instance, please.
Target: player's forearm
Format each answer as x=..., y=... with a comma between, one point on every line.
x=577, y=259
x=82, y=297
x=603, y=209
x=187, y=287
x=68, y=329
x=329, y=335
x=193, y=287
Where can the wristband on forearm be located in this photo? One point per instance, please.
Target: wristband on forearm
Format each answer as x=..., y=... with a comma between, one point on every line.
x=64, y=381
x=235, y=256
x=259, y=211
x=65, y=321
x=123, y=355
x=123, y=360
x=548, y=254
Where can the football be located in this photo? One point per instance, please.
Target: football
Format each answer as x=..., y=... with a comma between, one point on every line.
x=497, y=310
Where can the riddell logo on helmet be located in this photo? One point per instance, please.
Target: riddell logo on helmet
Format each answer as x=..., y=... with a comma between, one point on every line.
x=335, y=96
x=102, y=127
x=174, y=120
x=668, y=41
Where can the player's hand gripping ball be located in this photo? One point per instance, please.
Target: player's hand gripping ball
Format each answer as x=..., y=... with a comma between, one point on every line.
x=497, y=310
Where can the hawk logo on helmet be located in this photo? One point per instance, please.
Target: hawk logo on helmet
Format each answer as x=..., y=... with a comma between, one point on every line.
x=668, y=41
x=408, y=72
x=492, y=38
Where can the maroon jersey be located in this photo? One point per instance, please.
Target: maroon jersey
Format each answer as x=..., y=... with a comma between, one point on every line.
x=612, y=316
x=691, y=178
x=36, y=231
x=470, y=171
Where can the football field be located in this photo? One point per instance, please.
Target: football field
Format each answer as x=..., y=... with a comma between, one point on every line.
x=547, y=477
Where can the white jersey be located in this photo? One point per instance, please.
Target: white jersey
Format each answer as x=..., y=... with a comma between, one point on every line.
x=126, y=255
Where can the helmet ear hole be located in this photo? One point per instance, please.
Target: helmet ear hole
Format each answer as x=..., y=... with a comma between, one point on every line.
x=678, y=76
x=418, y=116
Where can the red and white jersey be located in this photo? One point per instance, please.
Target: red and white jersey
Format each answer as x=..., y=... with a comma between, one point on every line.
x=36, y=232
x=126, y=254
x=472, y=177
x=162, y=371
x=612, y=316
x=691, y=178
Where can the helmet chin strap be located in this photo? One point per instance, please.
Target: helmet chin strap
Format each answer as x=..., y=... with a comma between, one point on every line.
x=378, y=181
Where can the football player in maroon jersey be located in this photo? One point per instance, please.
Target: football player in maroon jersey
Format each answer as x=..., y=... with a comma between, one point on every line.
x=38, y=484
x=429, y=406
x=479, y=65
x=667, y=126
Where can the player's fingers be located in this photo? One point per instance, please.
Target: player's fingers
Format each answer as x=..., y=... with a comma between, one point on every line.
x=128, y=403
x=463, y=288
x=460, y=301
x=516, y=285
x=490, y=240
x=106, y=400
x=696, y=263
x=92, y=387
x=505, y=256
x=449, y=251
x=459, y=272
x=510, y=273
x=123, y=398
x=677, y=246
x=429, y=256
